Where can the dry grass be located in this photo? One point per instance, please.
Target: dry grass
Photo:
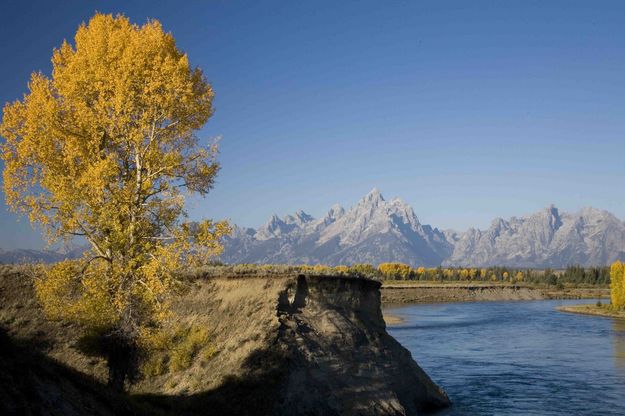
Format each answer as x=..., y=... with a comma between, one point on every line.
x=216, y=325
x=284, y=270
x=177, y=348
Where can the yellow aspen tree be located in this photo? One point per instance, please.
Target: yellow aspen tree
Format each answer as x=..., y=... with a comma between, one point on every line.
x=464, y=274
x=341, y=269
x=105, y=149
x=395, y=270
x=420, y=271
x=472, y=274
x=617, y=285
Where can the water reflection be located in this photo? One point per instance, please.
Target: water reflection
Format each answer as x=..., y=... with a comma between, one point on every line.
x=618, y=341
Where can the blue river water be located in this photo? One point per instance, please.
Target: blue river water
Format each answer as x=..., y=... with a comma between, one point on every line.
x=519, y=357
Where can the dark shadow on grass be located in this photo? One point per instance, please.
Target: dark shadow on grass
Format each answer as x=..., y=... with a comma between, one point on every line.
x=32, y=383
x=255, y=394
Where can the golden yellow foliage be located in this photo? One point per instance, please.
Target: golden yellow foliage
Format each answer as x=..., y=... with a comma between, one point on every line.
x=365, y=269
x=341, y=269
x=321, y=269
x=106, y=149
x=395, y=270
x=617, y=285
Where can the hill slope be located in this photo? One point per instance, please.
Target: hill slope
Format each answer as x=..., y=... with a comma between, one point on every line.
x=288, y=345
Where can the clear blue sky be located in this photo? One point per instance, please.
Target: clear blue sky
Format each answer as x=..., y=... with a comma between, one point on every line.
x=466, y=110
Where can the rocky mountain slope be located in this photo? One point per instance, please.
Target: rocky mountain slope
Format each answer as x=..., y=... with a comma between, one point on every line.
x=548, y=238
x=372, y=231
x=21, y=256
x=375, y=231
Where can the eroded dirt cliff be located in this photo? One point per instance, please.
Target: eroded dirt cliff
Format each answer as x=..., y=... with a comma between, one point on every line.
x=288, y=345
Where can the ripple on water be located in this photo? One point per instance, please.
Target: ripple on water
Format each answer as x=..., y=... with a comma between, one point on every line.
x=518, y=358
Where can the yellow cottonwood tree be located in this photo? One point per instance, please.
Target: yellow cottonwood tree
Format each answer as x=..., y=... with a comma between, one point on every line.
x=617, y=285
x=105, y=149
x=395, y=270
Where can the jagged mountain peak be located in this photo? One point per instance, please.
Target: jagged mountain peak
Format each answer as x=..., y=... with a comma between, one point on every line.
x=373, y=197
x=273, y=228
x=498, y=224
x=299, y=218
x=551, y=211
x=336, y=209
x=373, y=230
x=546, y=238
x=274, y=219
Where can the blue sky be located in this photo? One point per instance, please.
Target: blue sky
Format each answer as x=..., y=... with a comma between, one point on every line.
x=466, y=110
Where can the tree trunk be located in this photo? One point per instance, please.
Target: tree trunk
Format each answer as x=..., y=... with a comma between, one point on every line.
x=121, y=357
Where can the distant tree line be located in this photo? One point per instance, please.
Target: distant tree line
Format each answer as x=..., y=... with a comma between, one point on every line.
x=571, y=276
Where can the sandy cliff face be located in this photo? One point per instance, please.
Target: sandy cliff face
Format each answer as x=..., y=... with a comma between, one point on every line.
x=341, y=360
x=304, y=345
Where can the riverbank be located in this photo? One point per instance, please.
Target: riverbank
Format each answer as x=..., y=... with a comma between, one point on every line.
x=391, y=319
x=421, y=292
x=603, y=310
x=262, y=336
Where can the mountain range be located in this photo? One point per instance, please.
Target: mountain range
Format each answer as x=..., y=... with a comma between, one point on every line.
x=21, y=255
x=375, y=230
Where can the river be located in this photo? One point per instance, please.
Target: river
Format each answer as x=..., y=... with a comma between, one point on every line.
x=518, y=358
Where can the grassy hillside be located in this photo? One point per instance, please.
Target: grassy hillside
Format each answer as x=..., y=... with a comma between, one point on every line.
x=269, y=342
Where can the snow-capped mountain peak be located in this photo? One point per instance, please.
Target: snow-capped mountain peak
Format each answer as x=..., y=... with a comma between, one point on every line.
x=375, y=230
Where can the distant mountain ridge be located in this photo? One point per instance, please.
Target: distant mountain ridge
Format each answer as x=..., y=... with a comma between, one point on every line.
x=547, y=238
x=20, y=255
x=372, y=230
x=375, y=231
